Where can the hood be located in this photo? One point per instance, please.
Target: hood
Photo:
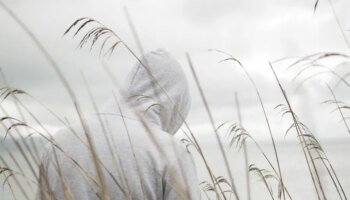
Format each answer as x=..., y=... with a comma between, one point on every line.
x=159, y=92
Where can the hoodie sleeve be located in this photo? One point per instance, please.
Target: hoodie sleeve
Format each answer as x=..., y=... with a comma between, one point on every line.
x=180, y=180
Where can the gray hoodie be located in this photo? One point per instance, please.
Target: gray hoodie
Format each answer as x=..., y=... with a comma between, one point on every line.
x=131, y=153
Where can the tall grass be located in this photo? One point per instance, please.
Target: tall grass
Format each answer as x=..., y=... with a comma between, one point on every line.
x=221, y=187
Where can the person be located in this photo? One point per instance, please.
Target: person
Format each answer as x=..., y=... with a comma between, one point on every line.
x=128, y=150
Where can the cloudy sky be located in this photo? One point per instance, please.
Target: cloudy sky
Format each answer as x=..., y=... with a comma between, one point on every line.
x=253, y=31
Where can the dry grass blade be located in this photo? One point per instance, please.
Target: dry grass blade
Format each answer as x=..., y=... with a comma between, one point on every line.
x=264, y=175
x=111, y=49
x=134, y=32
x=309, y=78
x=302, y=140
x=21, y=115
x=4, y=169
x=18, y=183
x=10, y=91
x=23, y=148
x=231, y=58
x=206, y=186
x=115, y=156
x=245, y=150
x=313, y=144
x=82, y=26
x=341, y=80
x=339, y=108
x=74, y=24
x=96, y=159
x=7, y=173
x=316, y=58
x=315, y=6
x=187, y=143
x=246, y=135
x=97, y=32
x=11, y=174
x=104, y=43
x=318, y=65
x=219, y=181
x=339, y=24
x=227, y=165
x=14, y=126
x=238, y=135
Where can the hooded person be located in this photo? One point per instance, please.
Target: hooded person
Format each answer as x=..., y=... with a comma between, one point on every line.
x=128, y=150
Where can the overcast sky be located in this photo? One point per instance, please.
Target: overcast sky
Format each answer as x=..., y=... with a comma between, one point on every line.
x=254, y=31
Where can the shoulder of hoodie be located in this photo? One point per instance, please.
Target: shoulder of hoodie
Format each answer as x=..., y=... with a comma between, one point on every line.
x=74, y=135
